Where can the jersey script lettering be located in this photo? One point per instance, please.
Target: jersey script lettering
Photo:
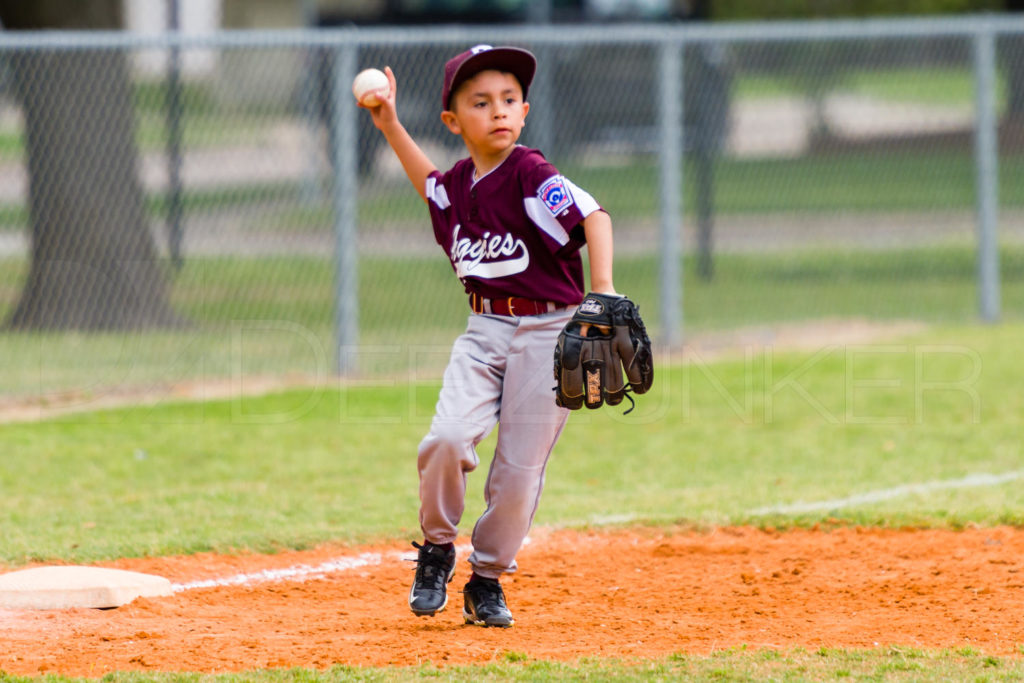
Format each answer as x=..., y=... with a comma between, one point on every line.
x=488, y=257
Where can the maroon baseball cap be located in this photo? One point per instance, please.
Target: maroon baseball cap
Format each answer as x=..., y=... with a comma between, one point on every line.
x=460, y=68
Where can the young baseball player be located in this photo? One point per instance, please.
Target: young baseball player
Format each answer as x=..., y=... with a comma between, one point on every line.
x=512, y=227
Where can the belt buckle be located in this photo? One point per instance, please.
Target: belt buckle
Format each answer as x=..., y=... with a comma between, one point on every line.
x=510, y=311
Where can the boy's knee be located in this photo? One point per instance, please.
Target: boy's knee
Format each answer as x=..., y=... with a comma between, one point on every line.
x=452, y=433
x=450, y=439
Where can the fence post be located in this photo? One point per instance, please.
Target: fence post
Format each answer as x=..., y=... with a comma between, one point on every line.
x=175, y=113
x=987, y=174
x=670, y=157
x=344, y=187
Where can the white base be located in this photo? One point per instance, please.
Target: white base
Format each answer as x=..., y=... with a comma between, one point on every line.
x=67, y=587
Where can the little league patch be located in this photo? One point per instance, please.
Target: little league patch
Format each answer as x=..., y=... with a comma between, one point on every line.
x=555, y=195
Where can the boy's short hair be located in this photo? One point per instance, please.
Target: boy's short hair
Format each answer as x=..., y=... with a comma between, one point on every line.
x=460, y=68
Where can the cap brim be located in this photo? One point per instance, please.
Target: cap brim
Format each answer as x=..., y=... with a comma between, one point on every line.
x=520, y=63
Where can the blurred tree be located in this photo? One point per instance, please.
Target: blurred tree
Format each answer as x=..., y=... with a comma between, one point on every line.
x=94, y=264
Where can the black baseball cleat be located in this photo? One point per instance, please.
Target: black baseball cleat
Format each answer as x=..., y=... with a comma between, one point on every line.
x=484, y=604
x=435, y=567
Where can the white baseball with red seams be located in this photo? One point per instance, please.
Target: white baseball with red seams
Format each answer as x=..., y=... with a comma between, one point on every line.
x=369, y=86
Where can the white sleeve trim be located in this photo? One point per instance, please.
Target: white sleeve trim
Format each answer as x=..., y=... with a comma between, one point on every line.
x=541, y=216
x=585, y=202
x=437, y=194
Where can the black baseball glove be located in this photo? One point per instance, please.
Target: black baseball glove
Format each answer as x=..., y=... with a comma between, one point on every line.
x=604, y=338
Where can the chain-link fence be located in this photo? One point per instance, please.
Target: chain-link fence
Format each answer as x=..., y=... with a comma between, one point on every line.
x=178, y=210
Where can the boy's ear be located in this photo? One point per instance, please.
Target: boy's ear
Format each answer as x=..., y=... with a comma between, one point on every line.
x=448, y=118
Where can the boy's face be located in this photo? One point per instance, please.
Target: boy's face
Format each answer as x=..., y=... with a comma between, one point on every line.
x=488, y=111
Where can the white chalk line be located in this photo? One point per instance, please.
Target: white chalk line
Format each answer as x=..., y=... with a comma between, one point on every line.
x=304, y=572
x=970, y=481
x=300, y=572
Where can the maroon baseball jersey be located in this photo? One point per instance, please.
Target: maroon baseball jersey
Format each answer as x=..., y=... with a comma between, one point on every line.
x=514, y=232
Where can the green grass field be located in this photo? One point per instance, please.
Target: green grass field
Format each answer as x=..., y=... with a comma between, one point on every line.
x=732, y=664
x=721, y=441
x=264, y=472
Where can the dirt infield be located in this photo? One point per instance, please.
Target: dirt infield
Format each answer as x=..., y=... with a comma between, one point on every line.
x=621, y=593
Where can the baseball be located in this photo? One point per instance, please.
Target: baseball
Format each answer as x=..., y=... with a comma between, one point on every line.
x=366, y=85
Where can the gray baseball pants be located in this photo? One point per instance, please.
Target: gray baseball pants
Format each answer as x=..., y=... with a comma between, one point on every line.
x=500, y=369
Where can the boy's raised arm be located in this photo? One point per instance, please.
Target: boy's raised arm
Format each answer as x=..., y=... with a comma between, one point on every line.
x=415, y=162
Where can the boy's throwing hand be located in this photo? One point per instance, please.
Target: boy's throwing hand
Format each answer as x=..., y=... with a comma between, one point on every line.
x=382, y=103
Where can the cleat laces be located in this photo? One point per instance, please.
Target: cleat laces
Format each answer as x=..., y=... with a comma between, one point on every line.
x=431, y=567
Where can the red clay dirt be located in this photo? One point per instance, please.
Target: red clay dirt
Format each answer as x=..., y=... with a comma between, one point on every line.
x=620, y=593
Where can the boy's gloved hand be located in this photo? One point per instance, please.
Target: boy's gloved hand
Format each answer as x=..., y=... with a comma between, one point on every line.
x=604, y=338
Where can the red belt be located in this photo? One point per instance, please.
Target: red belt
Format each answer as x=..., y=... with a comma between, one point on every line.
x=514, y=306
